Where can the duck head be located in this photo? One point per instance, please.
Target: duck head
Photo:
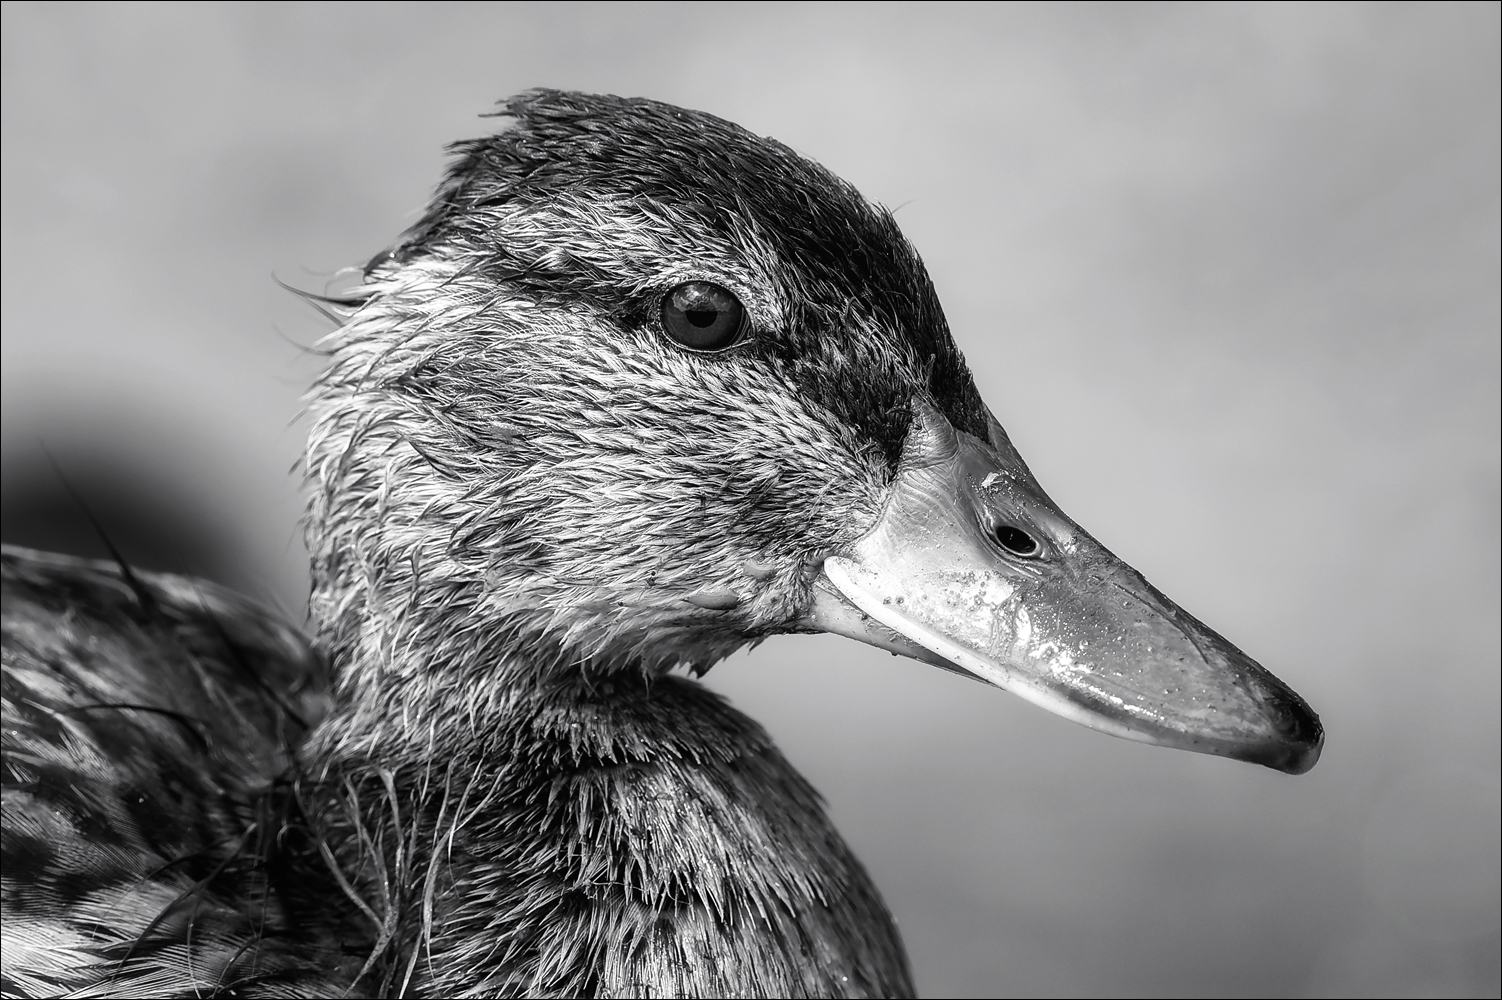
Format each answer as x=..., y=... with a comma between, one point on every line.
x=641, y=388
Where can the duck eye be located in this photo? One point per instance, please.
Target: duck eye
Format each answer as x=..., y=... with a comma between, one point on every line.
x=702, y=316
x=1016, y=541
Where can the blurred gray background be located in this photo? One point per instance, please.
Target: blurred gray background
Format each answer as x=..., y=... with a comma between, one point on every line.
x=1228, y=274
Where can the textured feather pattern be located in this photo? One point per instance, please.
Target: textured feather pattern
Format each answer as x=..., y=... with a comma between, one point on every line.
x=527, y=505
x=519, y=486
x=147, y=727
x=620, y=838
x=623, y=838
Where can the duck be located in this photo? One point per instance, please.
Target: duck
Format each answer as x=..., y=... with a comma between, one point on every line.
x=639, y=389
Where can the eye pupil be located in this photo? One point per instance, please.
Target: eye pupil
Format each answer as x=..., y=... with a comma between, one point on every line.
x=1016, y=540
x=702, y=316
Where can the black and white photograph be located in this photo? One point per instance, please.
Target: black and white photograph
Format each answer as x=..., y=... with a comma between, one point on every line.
x=751, y=500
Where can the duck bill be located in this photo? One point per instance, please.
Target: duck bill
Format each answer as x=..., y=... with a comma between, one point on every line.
x=973, y=568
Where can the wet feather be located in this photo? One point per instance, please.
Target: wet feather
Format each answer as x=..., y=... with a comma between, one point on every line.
x=479, y=777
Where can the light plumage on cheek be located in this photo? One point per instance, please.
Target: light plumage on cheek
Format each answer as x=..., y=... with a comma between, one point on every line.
x=606, y=489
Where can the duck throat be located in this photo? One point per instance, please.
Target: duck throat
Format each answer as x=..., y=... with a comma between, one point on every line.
x=608, y=837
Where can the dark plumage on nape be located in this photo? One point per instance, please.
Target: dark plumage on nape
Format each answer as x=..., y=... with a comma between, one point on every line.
x=640, y=388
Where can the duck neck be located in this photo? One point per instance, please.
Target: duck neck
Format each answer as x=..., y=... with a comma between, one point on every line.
x=581, y=831
x=422, y=773
x=396, y=711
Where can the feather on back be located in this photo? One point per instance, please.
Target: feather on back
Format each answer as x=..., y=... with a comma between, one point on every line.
x=149, y=721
